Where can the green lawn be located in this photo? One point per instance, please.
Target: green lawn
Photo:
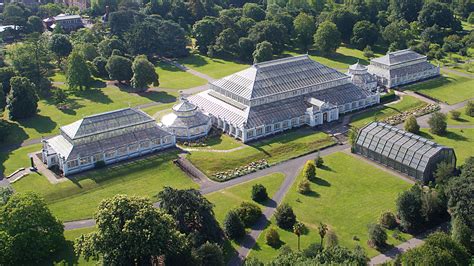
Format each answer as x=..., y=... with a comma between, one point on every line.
x=11, y=161
x=407, y=103
x=463, y=119
x=341, y=59
x=172, y=77
x=462, y=140
x=449, y=88
x=213, y=67
x=221, y=142
x=68, y=254
x=230, y=198
x=152, y=110
x=274, y=149
x=78, y=198
x=50, y=118
x=58, y=77
x=348, y=195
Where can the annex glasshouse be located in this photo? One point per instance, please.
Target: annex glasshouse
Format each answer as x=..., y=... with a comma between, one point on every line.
x=405, y=152
x=277, y=95
x=107, y=137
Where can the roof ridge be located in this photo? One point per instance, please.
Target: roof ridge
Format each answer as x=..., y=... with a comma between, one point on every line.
x=280, y=60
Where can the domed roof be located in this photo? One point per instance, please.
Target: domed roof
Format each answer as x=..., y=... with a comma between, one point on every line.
x=357, y=66
x=184, y=105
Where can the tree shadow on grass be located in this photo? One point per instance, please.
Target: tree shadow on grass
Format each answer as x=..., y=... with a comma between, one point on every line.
x=269, y=203
x=326, y=168
x=41, y=123
x=455, y=136
x=312, y=194
x=158, y=96
x=321, y=182
x=425, y=135
x=167, y=67
x=94, y=95
x=67, y=254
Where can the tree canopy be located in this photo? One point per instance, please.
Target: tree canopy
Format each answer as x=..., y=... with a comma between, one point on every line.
x=22, y=101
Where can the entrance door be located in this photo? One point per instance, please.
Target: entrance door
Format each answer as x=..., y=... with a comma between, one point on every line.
x=325, y=117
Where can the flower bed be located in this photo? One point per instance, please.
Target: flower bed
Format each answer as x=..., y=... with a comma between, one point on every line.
x=400, y=118
x=242, y=170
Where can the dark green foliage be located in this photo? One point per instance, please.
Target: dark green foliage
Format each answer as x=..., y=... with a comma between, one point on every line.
x=100, y=63
x=3, y=101
x=22, y=100
x=368, y=53
x=5, y=193
x=263, y=52
x=27, y=224
x=377, y=235
x=437, y=13
x=327, y=38
x=444, y=171
x=106, y=46
x=233, y=226
x=182, y=204
x=319, y=161
x=249, y=213
x=143, y=73
x=470, y=108
x=309, y=170
x=205, y=31
x=269, y=31
x=437, y=123
x=397, y=34
x=272, y=238
x=388, y=220
x=470, y=19
x=259, y=193
x=172, y=40
x=305, y=27
x=78, y=74
x=131, y=230
x=285, y=217
x=35, y=24
x=462, y=234
x=336, y=255
x=121, y=21
x=411, y=125
x=438, y=249
x=344, y=19
x=455, y=114
x=246, y=48
x=119, y=68
x=406, y=9
x=253, y=11
x=433, y=34
x=252, y=262
x=304, y=187
x=460, y=194
x=409, y=209
x=209, y=254
x=99, y=164
x=227, y=42
x=364, y=33
x=59, y=96
x=4, y=130
x=6, y=73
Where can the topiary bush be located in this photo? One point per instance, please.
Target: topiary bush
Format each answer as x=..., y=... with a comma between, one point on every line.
x=233, y=226
x=455, y=114
x=272, y=238
x=470, y=108
x=377, y=236
x=248, y=213
x=388, y=220
x=285, y=217
x=304, y=186
x=437, y=123
x=309, y=170
x=259, y=193
x=411, y=125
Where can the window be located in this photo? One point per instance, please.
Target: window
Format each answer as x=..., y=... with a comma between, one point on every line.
x=122, y=151
x=85, y=160
x=97, y=157
x=133, y=147
x=268, y=128
x=109, y=154
x=156, y=142
x=285, y=124
x=277, y=126
x=72, y=164
x=167, y=139
x=250, y=134
x=259, y=131
x=145, y=144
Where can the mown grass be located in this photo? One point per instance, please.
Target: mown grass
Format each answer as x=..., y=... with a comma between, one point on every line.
x=448, y=88
x=464, y=119
x=213, y=67
x=348, y=195
x=275, y=149
x=405, y=104
x=219, y=142
x=461, y=140
x=79, y=197
x=10, y=161
x=172, y=77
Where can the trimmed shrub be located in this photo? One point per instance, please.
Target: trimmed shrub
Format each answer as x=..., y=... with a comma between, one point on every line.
x=388, y=97
x=309, y=170
x=388, y=220
x=272, y=238
x=470, y=108
x=285, y=217
x=233, y=226
x=99, y=164
x=411, y=125
x=455, y=114
x=259, y=193
x=377, y=235
x=318, y=161
x=438, y=123
x=248, y=213
x=304, y=186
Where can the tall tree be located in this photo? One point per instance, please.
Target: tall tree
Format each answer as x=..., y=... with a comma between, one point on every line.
x=35, y=24
x=305, y=27
x=205, y=31
x=78, y=74
x=327, y=38
x=131, y=231
x=271, y=32
x=406, y=9
x=193, y=214
x=397, y=34
x=253, y=11
x=119, y=68
x=144, y=73
x=409, y=209
x=60, y=45
x=22, y=101
x=121, y=21
x=344, y=19
x=106, y=46
x=263, y=52
x=438, y=13
x=173, y=40
x=437, y=123
x=227, y=42
x=26, y=224
x=364, y=33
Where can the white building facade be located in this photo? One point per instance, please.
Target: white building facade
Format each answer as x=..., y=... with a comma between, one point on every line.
x=402, y=67
x=278, y=95
x=106, y=138
x=362, y=78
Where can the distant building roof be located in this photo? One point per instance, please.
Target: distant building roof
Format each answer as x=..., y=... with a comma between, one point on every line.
x=66, y=17
x=398, y=57
x=277, y=76
x=107, y=121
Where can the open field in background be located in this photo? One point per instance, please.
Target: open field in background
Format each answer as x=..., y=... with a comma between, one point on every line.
x=172, y=77
x=274, y=149
x=463, y=119
x=81, y=103
x=213, y=67
x=79, y=198
x=462, y=140
x=449, y=88
x=405, y=104
x=348, y=195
